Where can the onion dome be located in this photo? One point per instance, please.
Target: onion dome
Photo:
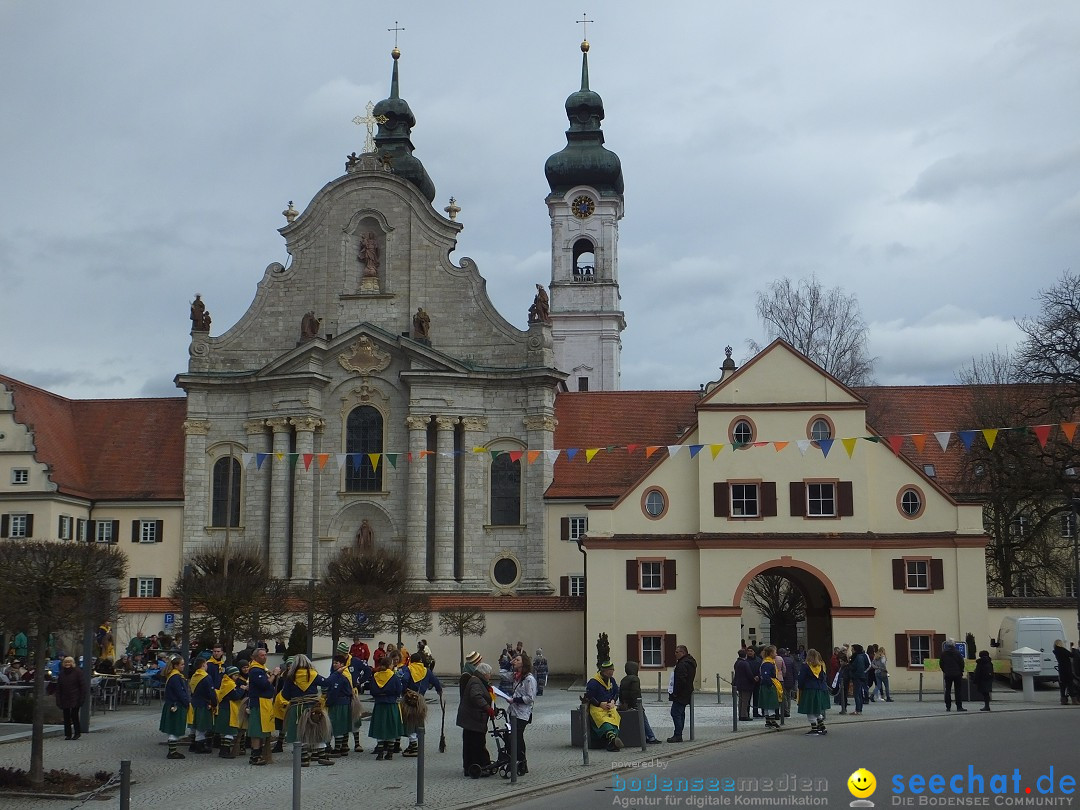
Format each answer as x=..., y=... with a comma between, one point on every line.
x=584, y=160
x=393, y=141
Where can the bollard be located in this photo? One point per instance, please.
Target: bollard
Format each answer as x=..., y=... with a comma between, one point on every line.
x=297, y=754
x=641, y=723
x=514, y=748
x=657, y=687
x=782, y=710
x=920, y=687
x=125, y=784
x=734, y=706
x=585, y=730
x=691, y=716
x=717, y=688
x=420, y=766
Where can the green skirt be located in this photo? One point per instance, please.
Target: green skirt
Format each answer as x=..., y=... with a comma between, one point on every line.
x=340, y=719
x=173, y=723
x=203, y=720
x=814, y=701
x=766, y=697
x=385, y=723
x=221, y=721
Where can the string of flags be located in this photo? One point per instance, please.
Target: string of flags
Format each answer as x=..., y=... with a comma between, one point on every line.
x=966, y=438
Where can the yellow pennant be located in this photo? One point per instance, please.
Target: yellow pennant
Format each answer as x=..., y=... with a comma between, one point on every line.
x=715, y=450
x=990, y=434
x=590, y=454
x=374, y=457
x=849, y=445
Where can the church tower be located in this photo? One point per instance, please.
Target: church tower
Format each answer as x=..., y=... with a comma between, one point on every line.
x=585, y=206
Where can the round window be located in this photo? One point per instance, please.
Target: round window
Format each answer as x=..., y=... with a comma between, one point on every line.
x=655, y=503
x=820, y=429
x=911, y=502
x=743, y=432
x=505, y=572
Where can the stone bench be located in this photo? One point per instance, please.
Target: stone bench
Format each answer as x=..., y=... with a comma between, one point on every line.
x=629, y=730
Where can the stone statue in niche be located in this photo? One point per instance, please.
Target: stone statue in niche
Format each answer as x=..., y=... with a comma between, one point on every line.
x=200, y=318
x=539, y=312
x=421, y=325
x=365, y=536
x=369, y=255
x=309, y=326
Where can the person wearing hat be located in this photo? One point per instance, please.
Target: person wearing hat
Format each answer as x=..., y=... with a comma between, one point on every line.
x=301, y=689
x=602, y=697
x=474, y=710
x=417, y=677
x=261, y=692
x=227, y=715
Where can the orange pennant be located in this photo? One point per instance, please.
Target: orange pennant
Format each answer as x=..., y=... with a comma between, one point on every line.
x=323, y=458
x=919, y=440
x=780, y=445
x=532, y=456
x=650, y=450
x=1069, y=429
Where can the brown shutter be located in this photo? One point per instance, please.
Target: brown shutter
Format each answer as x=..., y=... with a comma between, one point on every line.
x=798, y=499
x=633, y=652
x=902, y=656
x=845, y=499
x=159, y=531
x=4, y=525
x=720, y=499
x=29, y=525
x=937, y=575
x=669, y=650
x=632, y=575
x=564, y=528
x=115, y=532
x=564, y=586
x=939, y=639
x=60, y=527
x=135, y=531
x=768, y=499
x=669, y=575
x=899, y=575
x=91, y=531
x=157, y=586
x=133, y=585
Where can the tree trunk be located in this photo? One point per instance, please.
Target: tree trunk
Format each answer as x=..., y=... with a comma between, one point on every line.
x=37, y=733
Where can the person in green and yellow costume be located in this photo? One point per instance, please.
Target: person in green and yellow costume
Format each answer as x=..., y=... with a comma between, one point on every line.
x=602, y=697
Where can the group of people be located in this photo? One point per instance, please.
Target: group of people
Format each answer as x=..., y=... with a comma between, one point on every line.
x=476, y=709
x=248, y=705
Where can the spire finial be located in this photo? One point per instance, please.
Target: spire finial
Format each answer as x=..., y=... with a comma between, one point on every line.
x=395, y=53
x=584, y=23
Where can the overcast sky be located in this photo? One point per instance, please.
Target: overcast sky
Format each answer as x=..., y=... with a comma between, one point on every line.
x=924, y=156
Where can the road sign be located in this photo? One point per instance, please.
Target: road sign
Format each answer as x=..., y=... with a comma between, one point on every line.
x=170, y=618
x=961, y=647
x=361, y=619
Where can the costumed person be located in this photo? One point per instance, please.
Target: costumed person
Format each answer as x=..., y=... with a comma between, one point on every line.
x=540, y=670
x=70, y=696
x=201, y=711
x=602, y=696
x=174, y=705
x=814, y=691
x=474, y=711
x=416, y=678
x=357, y=672
x=521, y=705
x=377, y=656
x=301, y=690
x=339, y=696
x=770, y=690
x=228, y=719
x=261, y=692
x=385, y=725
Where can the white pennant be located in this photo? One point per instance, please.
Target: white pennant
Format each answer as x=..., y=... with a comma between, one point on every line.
x=803, y=445
x=672, y=449
x=552, y=455
x=246, y=458
x=341, y=459
x=943, y=439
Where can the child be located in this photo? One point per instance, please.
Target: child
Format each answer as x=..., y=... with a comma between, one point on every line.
x=770, y=690
x=630, y=694
x=385, y=726
x=813, y=692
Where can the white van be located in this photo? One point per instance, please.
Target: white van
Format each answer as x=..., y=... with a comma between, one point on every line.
x=1038, y=633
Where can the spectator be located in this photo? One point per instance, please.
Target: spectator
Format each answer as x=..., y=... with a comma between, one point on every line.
x=685, y=673
x=70, y=696
x=983, y=677
x=540, y=670
x=881, y=675
x=952, y=673
x=630, y=695
x=754, y=661
x=474, y=710
x=859, y=670
x=744, y=684
x=1064, y=668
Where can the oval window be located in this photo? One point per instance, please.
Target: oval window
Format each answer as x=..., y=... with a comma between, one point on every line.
x=910, y=502
x=743, y=432
x=505, y=572
x=820, y=429
x=655, y=503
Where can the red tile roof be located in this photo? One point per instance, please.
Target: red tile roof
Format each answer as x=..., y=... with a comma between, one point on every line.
x=106, y=449
x=615, y=418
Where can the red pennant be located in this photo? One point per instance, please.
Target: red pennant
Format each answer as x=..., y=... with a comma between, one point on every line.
x=515, y=455
x=895, y=442
x=630, y=448
x=1042, y=433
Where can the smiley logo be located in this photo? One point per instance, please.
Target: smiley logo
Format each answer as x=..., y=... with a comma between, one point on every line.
x=862, y=784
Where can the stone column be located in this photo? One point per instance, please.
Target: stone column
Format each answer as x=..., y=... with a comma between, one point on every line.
x=196, y=486
x=303, y=530
x=476, y=552
x=536, y=477
x=257, y=488
x=416, y=520
x=444, y=500
x=279, y=518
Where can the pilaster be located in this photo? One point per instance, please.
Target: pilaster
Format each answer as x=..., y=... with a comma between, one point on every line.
x=303, y=529
x=257, y=488
x=540, y=431
x=416, y=520
x=196, y=485
x=476, y=504
x=444, y=499
x=280, y=519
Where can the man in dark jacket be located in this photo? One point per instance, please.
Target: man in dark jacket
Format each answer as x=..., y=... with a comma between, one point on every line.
x=952, y=673
x=683, y=687
x=754, y=661
x=743, y=681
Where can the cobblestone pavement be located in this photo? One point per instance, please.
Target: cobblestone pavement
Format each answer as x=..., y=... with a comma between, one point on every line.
x=131, y=733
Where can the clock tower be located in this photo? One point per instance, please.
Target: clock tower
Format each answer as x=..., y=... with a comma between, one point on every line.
x=585, y=206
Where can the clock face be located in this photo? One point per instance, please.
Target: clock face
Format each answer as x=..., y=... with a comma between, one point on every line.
x=583, y=207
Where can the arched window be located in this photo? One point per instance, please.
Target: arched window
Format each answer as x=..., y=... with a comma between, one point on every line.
x=584, y=260
x=226, y=492
x=505, y=491
x=363, y=435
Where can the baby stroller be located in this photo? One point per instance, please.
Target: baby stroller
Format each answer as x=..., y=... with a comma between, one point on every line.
x=500, y=730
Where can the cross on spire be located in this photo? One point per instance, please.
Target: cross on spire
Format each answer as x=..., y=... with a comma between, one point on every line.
x=369, y=121
x=395, y=29
x=584, y=23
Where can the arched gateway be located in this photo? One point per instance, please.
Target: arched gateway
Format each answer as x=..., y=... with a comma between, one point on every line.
x=818, y=594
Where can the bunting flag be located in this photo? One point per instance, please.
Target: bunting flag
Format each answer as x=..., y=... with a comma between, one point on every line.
x=715, y=450
x=570, y=453
x=990, y=436
x=826, y=446
x=293, y=458
x=341, y=459
x=1069, y=429
x=803, y=445
x=695, y=449
x=532, y=456
x=780, y=445
x=895, y=442
x=552, y=455
x=943, y=439
x=1042, y=433
x=919, y=440
x=357, y=459
x=849, y=445
x=392, y=458
x=374, y=458
x=308, y=458
x=967, y=437
x=259, y=459
x=630, y=448
x=323, y=458
x=673, y=449
x=590, y=454
x=279, y=456
x=648, y=451
x=245, y=459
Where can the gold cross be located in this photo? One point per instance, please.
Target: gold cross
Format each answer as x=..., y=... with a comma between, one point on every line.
x=395, y=29
x=370, y=121
x=584, y=26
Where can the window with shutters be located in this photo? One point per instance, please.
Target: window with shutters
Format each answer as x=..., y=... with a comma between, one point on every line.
x=104, y=531
x=148, y=531
x=146, y=587
x=744, y=500
x=918, y=649
x=576, y=585
x=18, y=525
x=65, y=527
x=82, y=530
x=650, y=575
x=652, y=651
x=577, y=527
x=821, y=499
x=918, y=574
x=915, y=647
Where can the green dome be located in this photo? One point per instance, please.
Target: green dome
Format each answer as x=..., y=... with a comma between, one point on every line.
x=584, y=160
x=394, y=138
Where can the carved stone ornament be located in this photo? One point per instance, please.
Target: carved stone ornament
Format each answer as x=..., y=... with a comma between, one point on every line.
x=196, y=427
x=364, y=357
x=446, y=422
x=278, y=424
x=540, y=421
x=255, y=427
x=306, y=424
x=474, y=423
x=417, y=422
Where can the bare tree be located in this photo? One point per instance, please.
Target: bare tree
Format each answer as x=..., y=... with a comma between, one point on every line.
x=825, y=325
x=49, y=587
x=461, y=622
x=405, y=613
x=1050, y=352
x=778, y=601
x=231, y=599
